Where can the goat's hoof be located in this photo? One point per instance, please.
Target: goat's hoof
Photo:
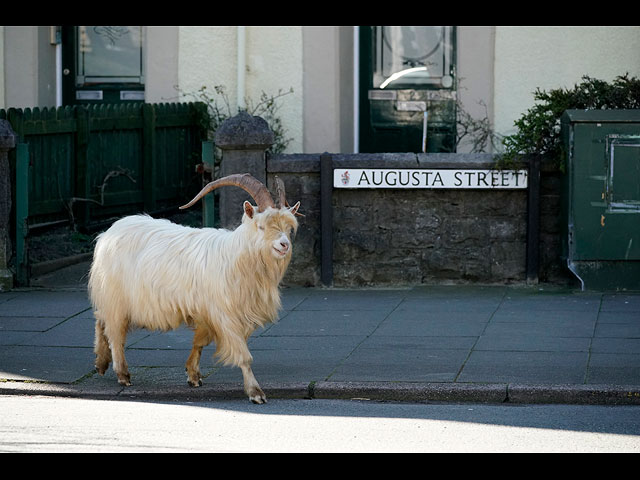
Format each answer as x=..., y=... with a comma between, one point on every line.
x=258, y=399
x=194, y=379
x=101, y=365
x=257, y=396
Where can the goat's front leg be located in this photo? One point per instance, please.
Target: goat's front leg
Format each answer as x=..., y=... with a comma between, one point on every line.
x=233, y=350
x=251, y=386
x=244, y=361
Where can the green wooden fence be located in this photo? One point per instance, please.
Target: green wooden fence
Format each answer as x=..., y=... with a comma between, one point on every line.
x=86, y=164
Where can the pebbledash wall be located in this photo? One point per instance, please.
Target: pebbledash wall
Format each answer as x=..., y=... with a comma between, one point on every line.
x=390, y=237
x=409, y=236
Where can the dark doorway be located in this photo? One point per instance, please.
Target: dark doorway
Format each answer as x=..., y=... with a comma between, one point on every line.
x=102, y=64
x=407, y=89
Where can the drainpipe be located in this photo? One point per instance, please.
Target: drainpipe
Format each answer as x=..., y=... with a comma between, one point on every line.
x=58, y=75
x=242, y=68
x=55, y=39
x=356, y=89
x=425, y=116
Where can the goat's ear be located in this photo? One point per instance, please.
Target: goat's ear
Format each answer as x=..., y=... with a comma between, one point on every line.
x=248, y=209
x=295, y=208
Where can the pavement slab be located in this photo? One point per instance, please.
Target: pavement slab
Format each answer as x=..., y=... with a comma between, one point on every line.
x=493, y=343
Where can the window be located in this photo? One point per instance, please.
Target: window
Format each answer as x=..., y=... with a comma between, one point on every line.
x=413, y=57
x=109, y=55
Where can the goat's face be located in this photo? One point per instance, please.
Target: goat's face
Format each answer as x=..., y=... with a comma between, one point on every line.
x=273, y=228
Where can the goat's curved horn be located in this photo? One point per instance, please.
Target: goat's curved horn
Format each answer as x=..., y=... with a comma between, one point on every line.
x=282, y=198
x=247, y=182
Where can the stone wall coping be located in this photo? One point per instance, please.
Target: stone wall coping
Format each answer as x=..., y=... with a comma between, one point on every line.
x=310, y=162
x=244, y=132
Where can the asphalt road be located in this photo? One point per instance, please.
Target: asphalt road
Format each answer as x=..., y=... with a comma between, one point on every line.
x=54, y=424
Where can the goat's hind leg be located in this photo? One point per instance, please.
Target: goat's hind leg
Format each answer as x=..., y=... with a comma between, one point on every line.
x=101, y=348
x=201, y=338
x=116, y=332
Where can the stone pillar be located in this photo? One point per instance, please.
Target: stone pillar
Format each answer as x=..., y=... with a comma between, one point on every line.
x=7, y=142
x=243, y=140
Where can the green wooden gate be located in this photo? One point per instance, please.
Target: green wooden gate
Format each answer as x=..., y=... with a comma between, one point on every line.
x=86, y=164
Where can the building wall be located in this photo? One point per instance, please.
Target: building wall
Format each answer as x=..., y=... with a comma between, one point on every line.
x=208, y=56
x=321, y=125
x=498, y=66
x=19, y=57
x=475, y=70
x=555, y=57
x=328, y=89
x=29, y=67
x=161, y=64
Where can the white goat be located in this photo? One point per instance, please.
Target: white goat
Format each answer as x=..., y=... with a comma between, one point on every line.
x=154, y=274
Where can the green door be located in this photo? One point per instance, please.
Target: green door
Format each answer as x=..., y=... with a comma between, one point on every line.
x=102, y=64
x=407, y=89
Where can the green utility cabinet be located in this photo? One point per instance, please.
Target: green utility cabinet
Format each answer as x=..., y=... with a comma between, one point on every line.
x=601, y=198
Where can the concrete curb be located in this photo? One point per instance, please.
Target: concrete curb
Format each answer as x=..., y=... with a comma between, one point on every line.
x=575, y=394
x=374, y=391
x=412, y=392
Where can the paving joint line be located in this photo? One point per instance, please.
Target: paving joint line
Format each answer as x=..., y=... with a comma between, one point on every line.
x=404, y=297
x=593, y=334
x=464, y=363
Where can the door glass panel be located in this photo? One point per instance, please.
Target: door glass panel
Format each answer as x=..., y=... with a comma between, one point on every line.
x=412, y=57
x=109, y=55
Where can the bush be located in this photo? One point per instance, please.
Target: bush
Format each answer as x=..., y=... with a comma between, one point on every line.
x=267, y=107
x=539, y=128
x=219, y=109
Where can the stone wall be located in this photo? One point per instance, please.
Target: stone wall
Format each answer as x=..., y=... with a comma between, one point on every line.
x=388, y=237
x=301, y=176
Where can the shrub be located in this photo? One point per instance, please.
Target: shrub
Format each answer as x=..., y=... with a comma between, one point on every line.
x=219, y=110
x=539, y=128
